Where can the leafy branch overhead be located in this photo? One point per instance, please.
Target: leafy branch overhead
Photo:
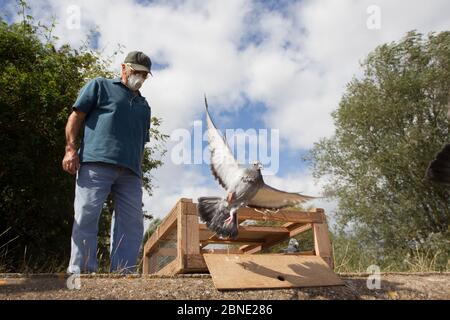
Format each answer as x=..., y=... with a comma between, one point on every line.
x=389, y=125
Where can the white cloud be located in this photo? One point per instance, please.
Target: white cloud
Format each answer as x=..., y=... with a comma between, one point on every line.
x=303, y=83
x=179, y=181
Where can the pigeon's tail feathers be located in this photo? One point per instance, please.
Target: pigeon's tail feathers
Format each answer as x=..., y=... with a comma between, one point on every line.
x=208, y=207
x=214, y=211
x=439, y=169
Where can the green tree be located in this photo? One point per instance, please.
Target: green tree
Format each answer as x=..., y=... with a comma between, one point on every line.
x=389, y=125
x=38, y=85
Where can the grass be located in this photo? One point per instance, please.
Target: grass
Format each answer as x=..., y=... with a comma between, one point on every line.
x=424, y=261
x=348, y=261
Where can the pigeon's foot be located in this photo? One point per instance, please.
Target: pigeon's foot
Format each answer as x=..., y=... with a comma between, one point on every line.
x=266, y=211
x=229, y=220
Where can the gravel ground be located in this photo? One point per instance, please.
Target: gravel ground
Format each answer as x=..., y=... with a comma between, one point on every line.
x=190, y=287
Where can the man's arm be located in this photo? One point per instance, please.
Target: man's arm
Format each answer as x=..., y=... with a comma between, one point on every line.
x=71, y=162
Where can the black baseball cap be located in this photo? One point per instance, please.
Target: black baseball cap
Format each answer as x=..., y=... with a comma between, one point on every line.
x=139, y=61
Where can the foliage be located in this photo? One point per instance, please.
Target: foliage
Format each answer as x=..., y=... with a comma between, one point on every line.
x=389, y=125
x=39, y=84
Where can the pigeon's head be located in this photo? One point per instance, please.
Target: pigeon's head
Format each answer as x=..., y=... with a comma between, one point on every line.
x=257, y=165
x=293, y=243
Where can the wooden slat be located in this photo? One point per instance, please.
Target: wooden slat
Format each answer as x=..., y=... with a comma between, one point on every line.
x=150, y=244
x=181, y=235
x=165, y=252
x=223, y=251
x=322, y=243
x=256, y=229
x=282, y=215
x=192, y=230
x=232, y=241
x=248, y=232
x=195, y=262
x=191, y=208
x=145, y=264
x=289, y=225
x=272, y=241
x=246, y=271
x=300, y=229
x=167, y=225
x=250, y=249
x=307, y=253
x=152, y=265
x=170, y=269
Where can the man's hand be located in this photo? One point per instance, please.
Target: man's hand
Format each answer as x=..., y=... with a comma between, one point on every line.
x=71, y=162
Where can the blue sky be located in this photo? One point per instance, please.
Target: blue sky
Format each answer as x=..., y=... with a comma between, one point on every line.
x=263, y=64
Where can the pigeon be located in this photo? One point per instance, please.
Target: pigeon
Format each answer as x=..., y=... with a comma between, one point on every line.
x=245, y=186
x=292, y=246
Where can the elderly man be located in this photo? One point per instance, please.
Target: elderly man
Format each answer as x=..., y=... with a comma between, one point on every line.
x=116, y=121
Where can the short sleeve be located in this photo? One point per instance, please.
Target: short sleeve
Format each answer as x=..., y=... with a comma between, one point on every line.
x=88, y=96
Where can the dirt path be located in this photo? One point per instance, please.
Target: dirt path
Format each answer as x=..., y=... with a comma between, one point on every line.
x=393, y=286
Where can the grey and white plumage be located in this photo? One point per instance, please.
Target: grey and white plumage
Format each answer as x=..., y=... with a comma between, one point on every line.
x=245, y=187
x=293, y=246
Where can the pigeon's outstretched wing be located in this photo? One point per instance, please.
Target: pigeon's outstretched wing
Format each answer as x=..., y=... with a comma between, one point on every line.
x=224, y=166
x=268, y=197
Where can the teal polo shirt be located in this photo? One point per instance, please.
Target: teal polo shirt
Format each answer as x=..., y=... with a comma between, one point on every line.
x=117, y=124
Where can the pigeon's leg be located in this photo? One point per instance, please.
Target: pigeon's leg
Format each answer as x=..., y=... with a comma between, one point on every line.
x=230, y=197
x=266, y=211
x=229, y=220
x=263, y=212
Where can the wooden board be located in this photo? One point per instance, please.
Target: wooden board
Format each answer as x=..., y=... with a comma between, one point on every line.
x=242, y=271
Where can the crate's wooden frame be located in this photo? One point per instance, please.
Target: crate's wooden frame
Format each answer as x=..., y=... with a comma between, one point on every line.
x=193, y=236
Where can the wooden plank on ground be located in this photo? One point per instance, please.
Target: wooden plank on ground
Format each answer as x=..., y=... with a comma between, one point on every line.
x=243, y=271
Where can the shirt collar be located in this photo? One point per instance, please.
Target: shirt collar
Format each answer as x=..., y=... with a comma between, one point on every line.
x=119, y=80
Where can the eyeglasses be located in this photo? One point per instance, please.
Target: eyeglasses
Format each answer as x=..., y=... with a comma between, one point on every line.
x=145, y=74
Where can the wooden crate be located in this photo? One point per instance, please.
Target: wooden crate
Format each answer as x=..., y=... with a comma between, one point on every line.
x=178, y=244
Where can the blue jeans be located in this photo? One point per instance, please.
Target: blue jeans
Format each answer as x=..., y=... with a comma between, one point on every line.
x=94, y=182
